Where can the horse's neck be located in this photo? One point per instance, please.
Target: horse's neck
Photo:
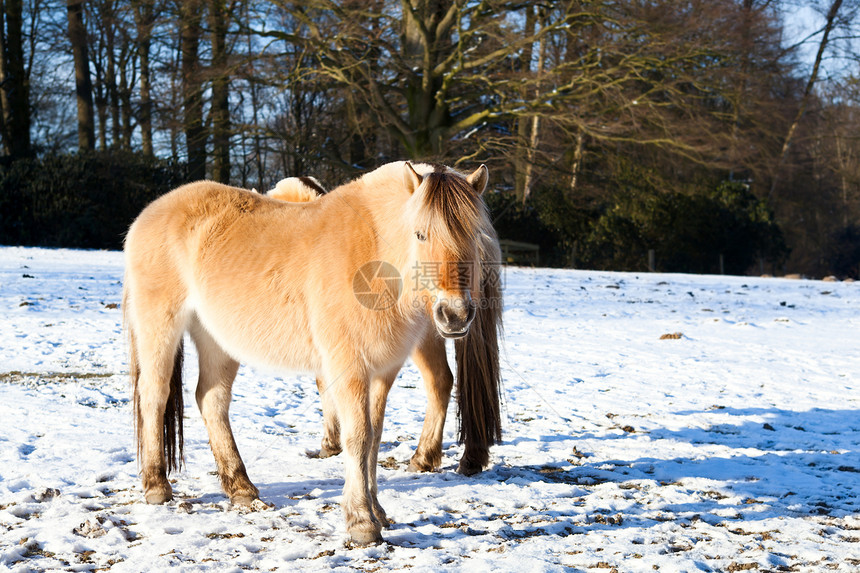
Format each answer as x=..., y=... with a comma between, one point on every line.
x=378, y=203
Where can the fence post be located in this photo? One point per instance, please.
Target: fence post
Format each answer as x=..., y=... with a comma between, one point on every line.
x=651, y=262
x=722, y=265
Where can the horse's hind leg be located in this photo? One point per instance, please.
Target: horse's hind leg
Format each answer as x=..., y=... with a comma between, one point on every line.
x=214, y=392
x=432, y=362
x=330, y=445
x=156, y=366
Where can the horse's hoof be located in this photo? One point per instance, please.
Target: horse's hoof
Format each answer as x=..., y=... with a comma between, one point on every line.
x=242, y=505
x=328, y=452
x=425, y=461
x=243, y=500
x=379, y=514
x=416, y=467
x=468, y=470
x=365, y=537
x=156, y=497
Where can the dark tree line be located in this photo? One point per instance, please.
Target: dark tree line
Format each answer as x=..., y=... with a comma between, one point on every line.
x=610, y=128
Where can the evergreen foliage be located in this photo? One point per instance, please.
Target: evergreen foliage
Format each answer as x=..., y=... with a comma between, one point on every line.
x=84, y=200
x=687, y=231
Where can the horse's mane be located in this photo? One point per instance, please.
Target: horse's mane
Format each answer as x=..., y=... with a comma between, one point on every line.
x=453, y=212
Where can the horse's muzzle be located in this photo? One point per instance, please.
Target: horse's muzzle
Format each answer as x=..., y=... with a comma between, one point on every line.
x=454, y=316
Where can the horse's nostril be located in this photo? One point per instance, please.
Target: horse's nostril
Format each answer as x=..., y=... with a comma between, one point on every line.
x=472, y=311
x=440, y=314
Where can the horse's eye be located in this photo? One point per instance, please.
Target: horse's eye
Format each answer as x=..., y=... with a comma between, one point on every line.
x=420, y=236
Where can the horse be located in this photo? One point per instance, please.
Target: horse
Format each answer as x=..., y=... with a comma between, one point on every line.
x=316, y=286
x=476, y=357
x=297, y=189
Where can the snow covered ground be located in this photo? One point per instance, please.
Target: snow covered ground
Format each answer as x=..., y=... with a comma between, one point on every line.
x=731, y=447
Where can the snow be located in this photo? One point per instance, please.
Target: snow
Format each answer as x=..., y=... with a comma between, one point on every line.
x=732, y=447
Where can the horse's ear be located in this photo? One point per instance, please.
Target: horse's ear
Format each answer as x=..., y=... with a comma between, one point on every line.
x=478, y=179
x=411, y=178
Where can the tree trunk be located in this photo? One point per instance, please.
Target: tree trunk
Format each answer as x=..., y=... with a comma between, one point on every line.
x=739, y=99
x=425, y=44
x=83, y=84
x=219, y=20
x=144, y=20
x=524, y=122
x=531, y=153
x=174, y=115
x=576, y=164
x=5, y=112
x=192, y=88
x=843, y=163
x=531, y=150
x=258, y=147
x=110, y=78
x=807, y=93
x=16, y=86
x=125, y=99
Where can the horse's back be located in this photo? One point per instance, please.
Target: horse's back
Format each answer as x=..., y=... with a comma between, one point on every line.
x=271, y=281
x=246, y=266
x=189, y=210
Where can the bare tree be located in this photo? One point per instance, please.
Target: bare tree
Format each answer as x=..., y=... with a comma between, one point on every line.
x=829, y=25
x=190, y=12
x=429, y=82
x=83, y=83
x=219, y=20
x=5, y=111
x=838, y=136
x=533, y=122
x=144, y=19
x=16, y=83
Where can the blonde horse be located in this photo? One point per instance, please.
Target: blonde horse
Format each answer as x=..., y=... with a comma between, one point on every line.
x=344, y=286
x=297, y=189
x=476, y=357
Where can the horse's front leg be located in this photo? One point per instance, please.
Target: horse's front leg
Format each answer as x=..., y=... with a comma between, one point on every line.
x=432, y=362
x=378, y=397
x=352, y=400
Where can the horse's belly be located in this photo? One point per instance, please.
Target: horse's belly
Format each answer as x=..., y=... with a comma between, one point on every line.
x=266, y=337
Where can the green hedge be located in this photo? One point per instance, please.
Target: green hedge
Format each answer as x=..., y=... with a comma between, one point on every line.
x=844, y=252
x=88, y=200
x=84, y=200
x=548, y=219
x=687, y=231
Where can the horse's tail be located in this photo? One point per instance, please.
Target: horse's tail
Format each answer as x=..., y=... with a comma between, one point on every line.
x=174, y=442
x=478, y=369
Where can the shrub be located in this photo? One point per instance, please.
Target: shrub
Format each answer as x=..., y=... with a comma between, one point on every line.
x=844, y=255
x=687, y=232
x=549, y=219
x=84, y=200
